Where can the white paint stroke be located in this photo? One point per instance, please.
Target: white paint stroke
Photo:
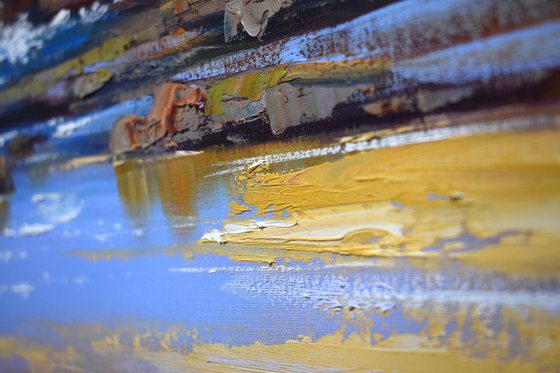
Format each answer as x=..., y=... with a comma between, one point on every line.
x=20, y=39
x=35, y=229
x=23, y=289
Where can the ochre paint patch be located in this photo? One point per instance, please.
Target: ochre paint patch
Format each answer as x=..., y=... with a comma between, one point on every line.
x=401, y=201
x=162, y=349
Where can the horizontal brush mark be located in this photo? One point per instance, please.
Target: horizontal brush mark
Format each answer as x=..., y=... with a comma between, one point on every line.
x=318, y=283
x=549, y=301
x=532, y=49
x=226, y=171
x=181, y=349
x=33, y=229
x=391, y=140
x=280, y=268
x=285, y=157
x=477, y=306
x=210, y=270
x=240, y=269
x=427, y=26
x=359, y=264
x=214, y=235
x=333, y=353
x=320, y=288
x=67, y=128
x=164, y=46
x=93, y=123
x=418, y=137
x=438, y=301
x=85, y=161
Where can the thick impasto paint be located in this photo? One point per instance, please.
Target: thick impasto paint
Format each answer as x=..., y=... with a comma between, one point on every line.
x=279, y=186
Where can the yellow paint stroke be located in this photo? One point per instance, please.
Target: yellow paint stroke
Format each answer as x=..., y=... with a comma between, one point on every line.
x=401, y=354
x=402, y=200
x=188, y=251
x=40, y=82
x=237, y=208
x=346, y=69
x=94, y=346
x=518, y=254
x=251, y=86
x=168, y=7
x=533, y=331
x=122, y=254
x=252, y=254
x=85, y=161
x=132, y=185
x=40, y=358
x=177, y=186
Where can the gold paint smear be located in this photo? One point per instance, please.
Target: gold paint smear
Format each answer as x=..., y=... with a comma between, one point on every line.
x=39, y=357
x=402, y=200
x=111, y=254
x=85, y=161
x=402, y=353
x=480, y=348
x=346, y=69
x=471, y=328
x=237, y=209
x=252, y=254
x=239, y=254
x=518, y=254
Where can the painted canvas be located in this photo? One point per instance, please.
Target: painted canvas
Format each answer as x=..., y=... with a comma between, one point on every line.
x=279, y=186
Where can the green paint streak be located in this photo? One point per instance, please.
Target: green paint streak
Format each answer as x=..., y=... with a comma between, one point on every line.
x=251, y=86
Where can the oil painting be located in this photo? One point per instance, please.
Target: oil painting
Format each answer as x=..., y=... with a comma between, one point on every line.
x=279, y=186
